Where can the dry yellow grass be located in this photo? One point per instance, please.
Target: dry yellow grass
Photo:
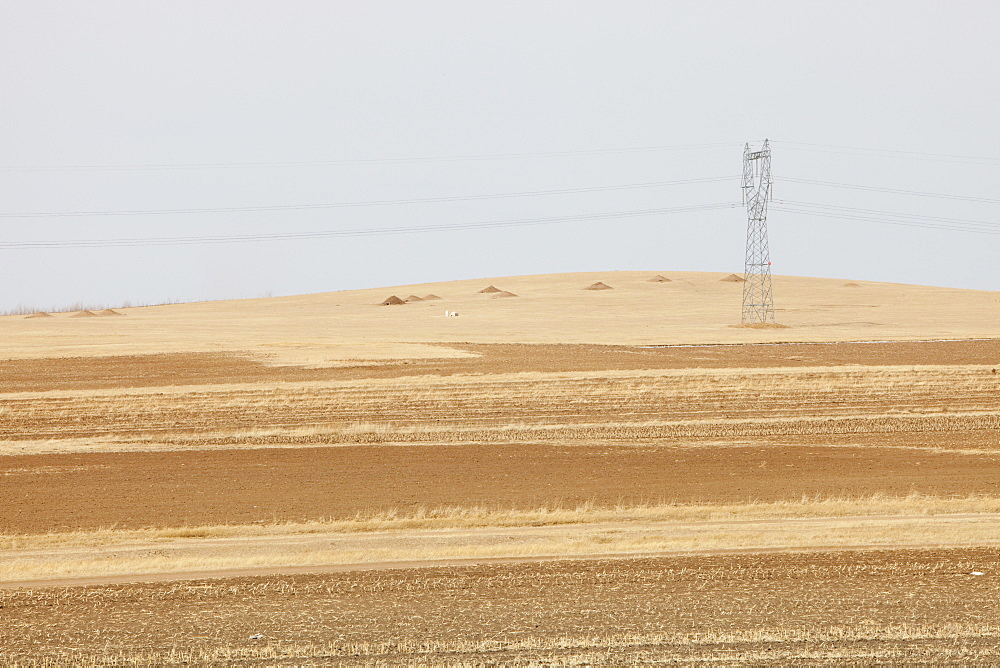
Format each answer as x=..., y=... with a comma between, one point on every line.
x=466, y=517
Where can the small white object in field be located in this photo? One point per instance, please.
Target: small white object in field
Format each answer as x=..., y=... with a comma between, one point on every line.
x=451, y=314
x=257, y=636
x=977, y=573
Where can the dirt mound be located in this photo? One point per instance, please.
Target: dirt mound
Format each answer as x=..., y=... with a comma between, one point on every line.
x=598, y=286
x=108, y=311
x=414, y=298
x=40, y=314
x=852, y=285
x=489, y=289
x=732, y=278
x=392, y=301
x=430, y=297
x=84, y=314
x=659, y=279
x=504, y=293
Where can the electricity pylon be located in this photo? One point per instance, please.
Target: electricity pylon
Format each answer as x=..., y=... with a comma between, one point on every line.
x=758, y=306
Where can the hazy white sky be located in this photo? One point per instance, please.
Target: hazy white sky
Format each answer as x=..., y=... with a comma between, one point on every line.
x=350, y=87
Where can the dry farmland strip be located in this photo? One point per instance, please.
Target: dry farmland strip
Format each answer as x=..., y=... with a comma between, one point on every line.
x=652, y=404
x=166, y=369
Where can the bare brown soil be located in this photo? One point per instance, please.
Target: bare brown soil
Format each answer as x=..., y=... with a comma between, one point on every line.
x=889, y=607
x=32, y=375
x=133, y=490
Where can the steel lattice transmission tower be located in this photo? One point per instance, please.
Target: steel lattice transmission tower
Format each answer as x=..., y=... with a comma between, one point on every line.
x=758, y=306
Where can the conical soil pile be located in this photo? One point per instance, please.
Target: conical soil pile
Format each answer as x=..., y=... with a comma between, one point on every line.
x=108, y=311
x=392, y=301
x=430, y=297
x=732, y=278
x=414, y=298
x=489, y=289
x=504, y=293
x=84, y=314
x=659, y=279
x=40, y=314
x=598, y=286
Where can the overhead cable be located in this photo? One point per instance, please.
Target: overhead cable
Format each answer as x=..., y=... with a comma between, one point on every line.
x=893, y=214
x=338, y=205
x=358, y=232
x=916, y=193
x=363, y=161
x=887, y=217
x=889, y=153
x=887, y=221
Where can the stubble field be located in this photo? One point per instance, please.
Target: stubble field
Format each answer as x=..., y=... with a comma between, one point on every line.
x=816, y=493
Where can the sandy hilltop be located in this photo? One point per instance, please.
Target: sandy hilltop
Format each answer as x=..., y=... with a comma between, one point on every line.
x=628, y=308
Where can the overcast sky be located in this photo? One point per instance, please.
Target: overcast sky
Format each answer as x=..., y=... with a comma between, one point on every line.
x=180, y=97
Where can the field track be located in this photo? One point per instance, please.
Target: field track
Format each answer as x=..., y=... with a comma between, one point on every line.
x=317, y=552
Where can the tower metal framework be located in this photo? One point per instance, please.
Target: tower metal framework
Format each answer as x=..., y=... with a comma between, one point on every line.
x=758, y=305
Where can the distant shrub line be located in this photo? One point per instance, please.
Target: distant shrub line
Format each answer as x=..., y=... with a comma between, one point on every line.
x=22, y=309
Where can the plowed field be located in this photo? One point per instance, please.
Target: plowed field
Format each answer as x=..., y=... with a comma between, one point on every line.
x=133, y=490
x=733, y=469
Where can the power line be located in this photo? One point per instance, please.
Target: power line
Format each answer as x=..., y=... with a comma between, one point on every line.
x=914, y=216
x=870, y=219
x=916, y=193
x=888, y=217
x=362, y=161
x=337, y=205
x=889, y=153
x=324, y=234
x=802, y=146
